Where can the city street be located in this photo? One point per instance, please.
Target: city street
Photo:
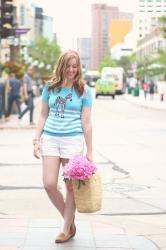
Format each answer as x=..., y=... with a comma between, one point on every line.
x=129, y=150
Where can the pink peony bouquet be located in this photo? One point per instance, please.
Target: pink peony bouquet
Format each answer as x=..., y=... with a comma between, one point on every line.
x=79, y=168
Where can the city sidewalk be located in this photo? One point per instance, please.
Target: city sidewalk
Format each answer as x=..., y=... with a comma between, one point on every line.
x=39, y=234
x=14, y=123
x=114, y=227
x=94, y=231
x=155, y=104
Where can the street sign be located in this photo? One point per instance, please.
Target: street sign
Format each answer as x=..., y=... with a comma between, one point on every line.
x=21, y=31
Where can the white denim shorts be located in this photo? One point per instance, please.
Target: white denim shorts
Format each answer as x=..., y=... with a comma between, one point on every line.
x=62, y=146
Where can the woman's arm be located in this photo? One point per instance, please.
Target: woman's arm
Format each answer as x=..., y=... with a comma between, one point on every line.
x=39, y=128
x=87, y=129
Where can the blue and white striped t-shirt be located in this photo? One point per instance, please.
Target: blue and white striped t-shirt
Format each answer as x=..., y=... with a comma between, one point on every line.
x=64, y=118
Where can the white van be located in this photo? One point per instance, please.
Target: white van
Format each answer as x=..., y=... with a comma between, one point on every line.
x=116, y=74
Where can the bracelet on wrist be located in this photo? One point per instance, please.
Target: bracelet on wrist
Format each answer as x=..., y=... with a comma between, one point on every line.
x=36, y=141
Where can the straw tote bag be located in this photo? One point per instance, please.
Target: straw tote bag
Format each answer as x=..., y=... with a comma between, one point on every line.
x=88, y=197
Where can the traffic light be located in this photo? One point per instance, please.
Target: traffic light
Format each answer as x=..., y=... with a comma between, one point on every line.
x=7, y=19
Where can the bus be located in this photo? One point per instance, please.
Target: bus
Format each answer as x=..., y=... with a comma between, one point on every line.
x=115, y=74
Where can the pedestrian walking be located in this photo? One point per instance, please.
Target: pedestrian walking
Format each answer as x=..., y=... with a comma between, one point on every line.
x=28, y=94
x=145, y=89
x=151, y=89
x=14, y=87
x=2, y=98
x=64, y=130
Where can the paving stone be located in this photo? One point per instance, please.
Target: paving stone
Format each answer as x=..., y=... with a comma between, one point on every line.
x=114, y=248
x=106, y=229
x=141, y=243
x=159, y=239
x=80, y=243
x=45, y=223
x=41, y=236
x=13, y=225
x=36, y=248
x=10, y=248
x=61, y=247
x=12, y=239
x=116, y=241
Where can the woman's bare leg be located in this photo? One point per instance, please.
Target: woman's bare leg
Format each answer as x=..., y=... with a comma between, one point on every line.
x=51, y=165
x=69, y=208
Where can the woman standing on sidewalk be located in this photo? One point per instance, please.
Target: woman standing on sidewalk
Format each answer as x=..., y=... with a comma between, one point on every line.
x=64, y=123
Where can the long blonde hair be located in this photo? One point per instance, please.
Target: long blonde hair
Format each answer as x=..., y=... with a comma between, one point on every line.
x=60, y=69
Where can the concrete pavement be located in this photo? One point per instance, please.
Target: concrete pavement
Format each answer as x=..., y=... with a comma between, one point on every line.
x=102, y=230
x=155, y=103
x=14, y=123
x=39, y=234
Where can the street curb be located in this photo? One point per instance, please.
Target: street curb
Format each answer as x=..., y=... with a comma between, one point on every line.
x=12, y=127
x=143, y=106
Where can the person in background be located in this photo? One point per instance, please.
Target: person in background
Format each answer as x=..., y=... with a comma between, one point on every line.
x=2, y=99
x=132, y=83
x=151, y=89
x=145, y=89
x=28, y=94
x=13, y=93
x=64, y=130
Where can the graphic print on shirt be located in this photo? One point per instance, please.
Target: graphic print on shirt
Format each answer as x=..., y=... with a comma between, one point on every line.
x=60, y=104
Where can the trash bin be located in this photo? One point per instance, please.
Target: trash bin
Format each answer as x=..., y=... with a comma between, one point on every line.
x=133, y=92
x=129, y=89
x=136, y=90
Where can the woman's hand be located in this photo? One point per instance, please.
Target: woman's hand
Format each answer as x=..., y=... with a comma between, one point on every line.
x=36, y=150
x=89, y=156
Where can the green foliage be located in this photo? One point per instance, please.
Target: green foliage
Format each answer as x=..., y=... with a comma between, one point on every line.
x=163, y=24
x=145, y=67
x=45, y=51
x=107, y=62
x=161, y=61
x=126, y=62
x=154, y=64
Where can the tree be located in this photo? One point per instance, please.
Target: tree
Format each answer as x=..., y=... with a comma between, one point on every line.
x=46, y=53
x=163, y=25
x=107, y=62
x=126, y=62
x=160, y=60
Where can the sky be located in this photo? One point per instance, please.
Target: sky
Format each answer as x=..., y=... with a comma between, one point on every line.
x=72, y=18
